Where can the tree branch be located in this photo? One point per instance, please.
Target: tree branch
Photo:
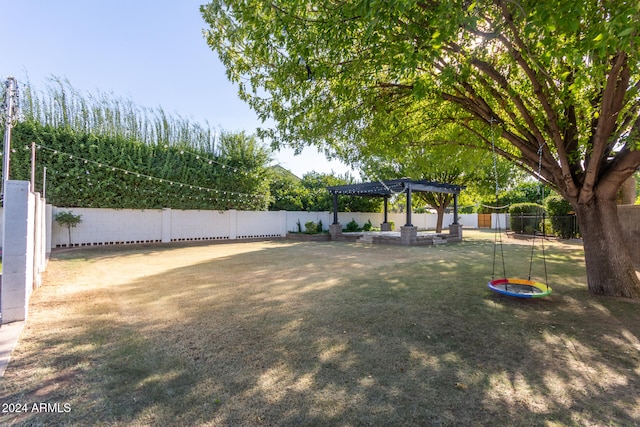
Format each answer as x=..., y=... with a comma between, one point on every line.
x=542, y=96
x=623, y=166
x=612, y=101
x=533, y=136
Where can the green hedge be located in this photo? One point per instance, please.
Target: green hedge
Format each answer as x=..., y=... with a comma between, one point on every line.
x=85, y=170
x=561, y=216
x=525, y=218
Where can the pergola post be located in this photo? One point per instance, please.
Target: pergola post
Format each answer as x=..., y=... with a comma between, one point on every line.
x=455, y=229
x=335, y=229
x=386, y=209
x=455, y=209
x=408, y=224
x=385, y=226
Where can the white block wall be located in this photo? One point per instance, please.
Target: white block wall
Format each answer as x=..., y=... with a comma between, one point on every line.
x=18, y=255
x=304, y=217
x=198, y=225
x=260, y=224
x=124, y=226
x=361, y=218
x=500, y=221
x=468, y=220
x=109, y=226
x=113, y=226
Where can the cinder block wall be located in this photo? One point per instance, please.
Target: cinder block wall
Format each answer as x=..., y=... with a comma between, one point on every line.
x=18, y=251
x=630, y=221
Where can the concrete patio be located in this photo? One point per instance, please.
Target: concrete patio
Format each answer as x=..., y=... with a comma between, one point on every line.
x=404, y=237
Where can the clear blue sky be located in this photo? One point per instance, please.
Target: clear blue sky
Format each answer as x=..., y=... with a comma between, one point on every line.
x=150, y=51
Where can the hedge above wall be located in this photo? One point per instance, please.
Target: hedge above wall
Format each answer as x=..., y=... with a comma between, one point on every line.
x=85, y=170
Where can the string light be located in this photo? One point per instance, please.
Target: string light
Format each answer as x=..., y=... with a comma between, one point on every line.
x=212, y=161
x=149, y=177
x=231, y=198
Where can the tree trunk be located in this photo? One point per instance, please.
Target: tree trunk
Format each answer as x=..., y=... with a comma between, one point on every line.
x=629, y=191
x=440, y=211
x=610, y=270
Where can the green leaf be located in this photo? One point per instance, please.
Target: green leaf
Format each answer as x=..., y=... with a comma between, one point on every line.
x=626, y=32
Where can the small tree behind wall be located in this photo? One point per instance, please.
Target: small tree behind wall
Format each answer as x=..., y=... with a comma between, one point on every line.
x=69, y=220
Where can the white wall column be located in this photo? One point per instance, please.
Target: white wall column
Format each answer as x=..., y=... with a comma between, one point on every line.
x=48, y=223
x=166, y=225
x=17, y=250
x=283, y=223
x=233, y=224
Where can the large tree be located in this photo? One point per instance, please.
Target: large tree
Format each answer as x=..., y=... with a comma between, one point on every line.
x=555, y=82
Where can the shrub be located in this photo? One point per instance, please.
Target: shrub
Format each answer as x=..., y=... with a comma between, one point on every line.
x=352, y=226
x=319, y=228
x=525, y=218
x=310, y=227
x=562, y=219
x=367, y=226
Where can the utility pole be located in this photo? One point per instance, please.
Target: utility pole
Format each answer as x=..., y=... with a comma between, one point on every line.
x=10, y=114
x=33, y=166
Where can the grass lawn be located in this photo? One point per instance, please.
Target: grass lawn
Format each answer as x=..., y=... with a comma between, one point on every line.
x=321, y=333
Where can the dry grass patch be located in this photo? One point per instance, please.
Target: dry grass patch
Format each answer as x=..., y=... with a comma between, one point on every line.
x=282, y=333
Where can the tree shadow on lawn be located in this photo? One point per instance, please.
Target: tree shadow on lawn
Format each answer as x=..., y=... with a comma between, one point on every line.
x=339, y=334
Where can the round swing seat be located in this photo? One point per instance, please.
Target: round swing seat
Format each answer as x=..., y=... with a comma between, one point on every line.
x=519, y=288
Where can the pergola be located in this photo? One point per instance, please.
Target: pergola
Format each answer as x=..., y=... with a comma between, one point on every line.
x=395, y=186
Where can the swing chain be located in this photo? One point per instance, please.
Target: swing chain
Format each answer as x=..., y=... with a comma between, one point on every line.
x=540, y=151
x=495, y=162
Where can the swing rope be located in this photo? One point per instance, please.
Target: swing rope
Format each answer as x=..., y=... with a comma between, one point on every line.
x=498, y=232
x=497, y=239
x=535, y=232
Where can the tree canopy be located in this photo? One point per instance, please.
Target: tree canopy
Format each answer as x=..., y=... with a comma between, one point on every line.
x=561, y=75
x=556, y=80
x=310, y=194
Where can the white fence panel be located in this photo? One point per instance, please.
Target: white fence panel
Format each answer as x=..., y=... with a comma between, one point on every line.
x=109, y=226
x=260, y=224
x=468, y=220
x=198, y=225
x=500, y=221
x=420, y=220
x=295, y=217
x=426, y=221
x=399, y=219
x=361, y=218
